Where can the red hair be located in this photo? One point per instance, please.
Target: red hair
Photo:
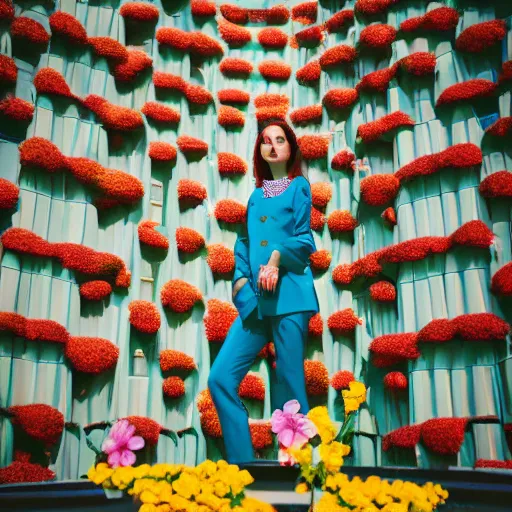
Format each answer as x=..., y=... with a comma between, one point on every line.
x=262, y=169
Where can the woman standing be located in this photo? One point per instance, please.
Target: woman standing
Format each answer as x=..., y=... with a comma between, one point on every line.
x=273, y=287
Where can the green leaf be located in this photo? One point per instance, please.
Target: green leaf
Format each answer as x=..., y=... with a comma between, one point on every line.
x=346, y=432
x=91, y=446
x=189, y=431
x=170, y=434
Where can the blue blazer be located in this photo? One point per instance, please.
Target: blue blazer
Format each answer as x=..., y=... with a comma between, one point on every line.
x=282, y=223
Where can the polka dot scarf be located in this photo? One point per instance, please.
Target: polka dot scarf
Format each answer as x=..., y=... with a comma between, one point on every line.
x=272, y=188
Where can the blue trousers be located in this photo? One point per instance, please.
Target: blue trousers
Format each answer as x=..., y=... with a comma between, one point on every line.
x=240, y=348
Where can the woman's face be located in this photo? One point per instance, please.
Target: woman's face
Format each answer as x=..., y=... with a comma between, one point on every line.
x=275, y=146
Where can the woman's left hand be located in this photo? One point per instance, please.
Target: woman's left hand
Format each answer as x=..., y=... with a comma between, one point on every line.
x=269, y=273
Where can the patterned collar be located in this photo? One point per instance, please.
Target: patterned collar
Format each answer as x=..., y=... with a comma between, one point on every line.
x=272, y=188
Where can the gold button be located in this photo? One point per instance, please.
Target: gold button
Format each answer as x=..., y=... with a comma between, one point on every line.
x=263, y=218
x=264, y=243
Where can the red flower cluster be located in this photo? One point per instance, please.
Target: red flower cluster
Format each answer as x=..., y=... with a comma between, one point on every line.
x=109, y=48
x=137, y=62
x=230, y=117
x=229, y=164
x=317, y=220
x=173, y=37
x=343, y=322
x=169, y=81
x=18, y=472
x=160, y=112
x=149, y=236
x=188, y=144
x=252, y=387
x=501, y=283
x=218, y=319
x=317, y=378
x=50, y=81
x=378, y=36
x=404, y=437
x=395, y=381
x=220, y=259
x=162, y=151
x=91, y=355
x=234, y=35
x=179, y=295
x=112, y=116
x=485, y=463
x=261, y=435
x=391, y=349
x=208, y=415
x=176, y=360
x=95, y=290
x=436, y=20
x=500, y=128
x=340, y=54
x=340, y=98
x=320, y=260
x=203, y=8
x=419, y=63
x=341, y=221
x=444, y=435
x=316, y=325
x=310, y=73
x=173, y=387
x=6, y=10
x=230, y=211
x=314, y=146
x=379, y=189
x=277, y=15
x=140, y=11
x=204, y=46
x=39, y=152
x=233, y=66
x=383, y=291
x=374, y=130
x=312, y=36
x=481, y=36
x=146, y=428
x=309, y=114
x=234, y=13
x=189, y=240
x=467, y=91
x=16, y=109
x=271, y=106
x=305, y=13
x=40, y=421
x=321, y=193
x=233, y=96
x=506, y=72
x=377, y=81
x=338, y=21
x=389, y=216
x=8, y=70
x=68, y=26
x=344, y=160
x=144, y=316
x=273, y=38
x=9, y=194
x=30, y=30
x=371, y=7
x=191, y=192
x=342, y=379
x=274, y=70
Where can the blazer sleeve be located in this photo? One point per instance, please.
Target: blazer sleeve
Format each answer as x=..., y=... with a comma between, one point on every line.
x=242, y=267
x=295, y=250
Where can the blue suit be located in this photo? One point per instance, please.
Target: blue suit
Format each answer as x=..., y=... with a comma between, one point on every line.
x=282, y=223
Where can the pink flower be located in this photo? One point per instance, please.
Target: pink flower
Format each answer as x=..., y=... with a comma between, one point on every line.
x=292, y=428
x=120, y=443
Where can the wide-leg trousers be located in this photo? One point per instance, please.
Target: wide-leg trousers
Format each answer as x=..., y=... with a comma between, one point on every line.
x=240, y=348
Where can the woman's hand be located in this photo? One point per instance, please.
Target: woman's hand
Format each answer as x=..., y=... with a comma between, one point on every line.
x=238, y=285
x=269, y=273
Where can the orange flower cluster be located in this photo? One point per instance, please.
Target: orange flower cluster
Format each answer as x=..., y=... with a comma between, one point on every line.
x=95, y=290
x=160, y=113
x=338, y=21
x=274, y=70
x=377, y=81
x=309, y=37
x=314, y=146
x=179, y=295
x=231, y=66
x=252, y=387
x=500, y=128
x=383, y=291
x=467, y=91
x=342, y=379
x=137, y=62
x=39, y=152
x=419, y=63
x=174, y=37
x=195, y=43
x=404, y=437
x=501, y=283
x=230, y=211
x=374, y=130
x=191, y=192
x=379, y=189
x=339, y=54
x=112, y=116
x=317, y=378
x=9, y=194
x=391, y=349
x=371, y=7
x=218, y=319
x=146, y=428
x=30, y=30
x=261, y=434
x=444, y=435
x=340, y=98
x=271, y=106
x=341, y=221
x=173, y=387
x=309, y=114
x=316, y=325
x=39, y=421
x=50, y=81
x=437, y=20
x=378, y=36
x=91, y=355
x=6, y=10
x=481, y=36
x=343, y=322
x=232, y=34
x=395, y=381
x=208, y=415
x=389, y=216
x=68, y=26
x=203, y=8
x=16, y=109
x=321, y=194
x=194, y=94
x=19, y=471
x=277, y=15
x=220, y=259
x=310, y=73
x=144, y=316
x=484, y=463
x=273, y=38
x=189, y=240
x=235, y=14
x=150, y=236
x=344, y=160
x=162, y=151
x=230, y=117
x=176, y=360
x=109, y=48
x=233, y=96
x=140, y=11
x=8, y=70
x=305, y=13
x=188, y=144
x=317, y=219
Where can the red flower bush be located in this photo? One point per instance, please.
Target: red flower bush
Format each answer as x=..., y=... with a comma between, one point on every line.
x=404, y=437
x=317, y=219
x=233, y=96
x=112, y=116
x=419, y=63
x=309, y=114
x=230, y=117
x=176, y=360
x=379, y=189
x=140, y=11
x=173, y=387
x=343, y=322
x=218, y=319
x=341, y=221
x=234, y=13
x=160, y=113
x=321, y=194
x=312, y=36
x=234, y=35
x=481, y=327
x=466, y=91
x=68, y=26
x=137, y=62
x=174, y=37
x=344, y=160
x=371, y=7
x=16, y=109
x=231, y=66
x=8, y=70
x=203, y=8
x=316, y=325
x=144, y=316
x=506, y=72
x=501, y=283
x=271, y=106
x=120, y=186
x=481, y=36
x=40, y=421
x=188, y=144
x=30, y=30
x=189, y=240
x=169, y=81
x=305, y=13
x=197, y=95
x=389, y=216
x=261, y=434
x=95, y=290
x=377, y=81
x=342, y=379
x=91, y=355
x=498, y=464
x=6, y=10
x=210, y=424
x=340, y=98
x=108, y=48
x=437, y=331
x=383, y=291
x=500, y=128
x=378, y=36
x=230, y=211
x=310, y=73
x=374, y=130
x=275, y=70
x=444, y=435
x=441, y=19
x=395, y=381
x=9, y=194
x=50, y=81
x=191, y=192
x=204, y=46
x=314, y=146
x=146, y=428
x=204, y=401
x=273, y=38
x=276, y=15
x=18, y=472
x=339, y=20
x=390, y=349
x=162, y=151
x=340, y=54
x=220, y=259
x=320, y=260
x=179, y=295
x=252, y=387
x=473, y=234
x=317, y=378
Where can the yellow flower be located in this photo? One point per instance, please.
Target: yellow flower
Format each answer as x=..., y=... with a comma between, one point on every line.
x=246, y=477
x=329, y=503
x=354, y=396
x=320, y=417
x=302, y=488
x=122, y=477
x=149, y=497
x=179, y=503
x=163, y=507
x=100, y=473
x=187, y=485
x=209, y=499
x=147, y=507
x=221, y=489
x=332, y=455
x=303, y=456
x=207, y=468
x=141, y=471
x=254, y=505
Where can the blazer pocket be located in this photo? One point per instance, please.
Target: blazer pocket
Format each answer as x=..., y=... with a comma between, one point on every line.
x=245, y=300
